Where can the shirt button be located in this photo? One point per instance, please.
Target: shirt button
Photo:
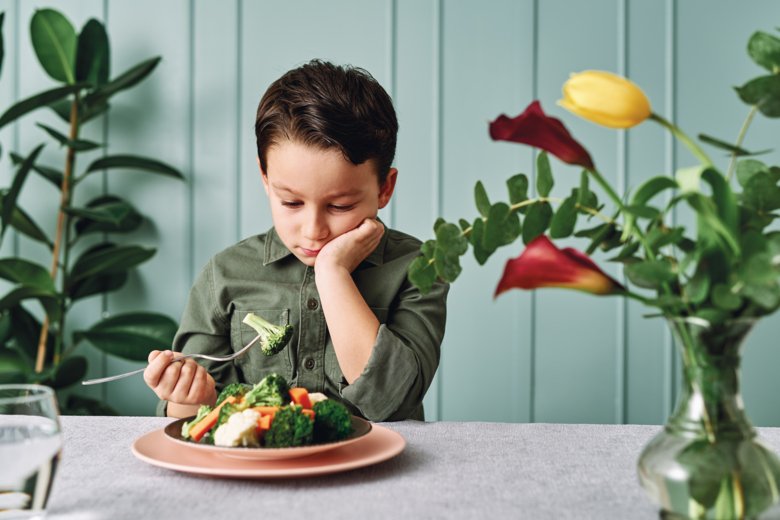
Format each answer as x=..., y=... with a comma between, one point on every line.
x=308, y=363
x=312, y=304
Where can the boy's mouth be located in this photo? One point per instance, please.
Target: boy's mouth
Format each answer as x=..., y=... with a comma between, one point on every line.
x=310, y=252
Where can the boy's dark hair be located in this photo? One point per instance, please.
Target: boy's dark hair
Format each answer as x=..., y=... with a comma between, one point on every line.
x=329, y=106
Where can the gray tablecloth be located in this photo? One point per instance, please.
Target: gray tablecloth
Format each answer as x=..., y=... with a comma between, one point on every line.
x=447, y=470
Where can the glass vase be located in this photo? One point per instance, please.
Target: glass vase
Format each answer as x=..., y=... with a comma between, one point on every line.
x=707, y=461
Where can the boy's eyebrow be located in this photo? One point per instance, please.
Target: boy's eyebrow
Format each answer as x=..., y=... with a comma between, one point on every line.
x=347, y=193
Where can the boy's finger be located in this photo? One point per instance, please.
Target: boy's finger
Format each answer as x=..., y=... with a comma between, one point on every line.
x=187, y=374
x=156, y=367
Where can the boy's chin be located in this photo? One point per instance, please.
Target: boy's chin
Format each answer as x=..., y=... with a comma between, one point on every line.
x=306, y=260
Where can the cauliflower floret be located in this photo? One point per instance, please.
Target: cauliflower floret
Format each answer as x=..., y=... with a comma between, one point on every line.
x=239, y=430
x=316, y=397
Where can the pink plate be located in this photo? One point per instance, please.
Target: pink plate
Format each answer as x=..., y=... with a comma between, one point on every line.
x=378, y=445
x=360, y=428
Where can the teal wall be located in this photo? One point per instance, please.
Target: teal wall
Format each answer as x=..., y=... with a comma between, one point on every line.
x=451, y=66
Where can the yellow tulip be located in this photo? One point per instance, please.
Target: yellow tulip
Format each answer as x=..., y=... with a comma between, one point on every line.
x=606, y=99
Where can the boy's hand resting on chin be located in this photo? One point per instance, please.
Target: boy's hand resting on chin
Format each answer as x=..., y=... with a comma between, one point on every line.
x=183, y=382
x=351, y=248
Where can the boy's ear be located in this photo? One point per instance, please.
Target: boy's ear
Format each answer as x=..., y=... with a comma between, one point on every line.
x=263, y=176
x=386, y=190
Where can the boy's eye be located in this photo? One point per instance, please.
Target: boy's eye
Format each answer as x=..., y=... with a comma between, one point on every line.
x=340, y=207
x=290, y=204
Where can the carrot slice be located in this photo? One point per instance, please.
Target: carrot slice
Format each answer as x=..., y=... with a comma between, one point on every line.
x=309, y=413
x=264, y=422
x=204, y=425
x=300, y=396
x=266, y=410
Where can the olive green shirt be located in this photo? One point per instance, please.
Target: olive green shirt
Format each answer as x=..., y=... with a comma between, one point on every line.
x=260, y=275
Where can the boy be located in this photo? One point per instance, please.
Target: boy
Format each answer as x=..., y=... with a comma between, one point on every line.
x=326, y=140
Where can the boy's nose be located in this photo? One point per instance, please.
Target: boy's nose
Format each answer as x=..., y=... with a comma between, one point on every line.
x=315, y=227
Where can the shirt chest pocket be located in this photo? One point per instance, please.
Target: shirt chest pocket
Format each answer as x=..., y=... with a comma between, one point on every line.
x=254, y=365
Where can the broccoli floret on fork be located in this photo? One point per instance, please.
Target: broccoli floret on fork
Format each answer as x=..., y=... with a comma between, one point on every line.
x=273, y=337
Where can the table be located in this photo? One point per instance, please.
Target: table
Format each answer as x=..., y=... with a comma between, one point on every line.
x=447, y=470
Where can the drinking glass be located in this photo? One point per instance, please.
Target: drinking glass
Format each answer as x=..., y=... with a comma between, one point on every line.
x=30, y=442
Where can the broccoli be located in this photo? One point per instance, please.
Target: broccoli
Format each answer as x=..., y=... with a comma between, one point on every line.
x=225, y=413
x=272, y=390
x=273, y=337
x=203, y=411
x=332, y=421
x=236, y=389
x=290, y=427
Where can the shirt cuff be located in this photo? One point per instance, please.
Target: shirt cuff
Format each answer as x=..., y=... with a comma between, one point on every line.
x=387, y=379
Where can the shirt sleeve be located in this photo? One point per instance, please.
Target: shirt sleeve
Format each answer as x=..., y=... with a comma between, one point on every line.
x=404, y=358
x=205, y=329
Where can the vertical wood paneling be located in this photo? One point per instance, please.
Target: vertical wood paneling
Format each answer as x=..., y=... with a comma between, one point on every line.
x=415, y=202
x=486, y=59
x=214, y=179
x=567, y=363
x=451, y=66
x=647, y=376
x=152, y=119
x=276, y=38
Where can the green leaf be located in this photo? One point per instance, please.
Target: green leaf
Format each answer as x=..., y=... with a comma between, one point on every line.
x=747, y=168
x=450, y=244
x=698, y=287
x=48, y=299
x=764, y=93
x=26, y=332
x=130, y=336
x=106, y=214
x=723, y=145
x=544, y=178
x=518, y=188
x=105, y=259
x=641, y=211
x=501, y=228
x=54, y=41
x=70, y=371
x=422, y=274
x=564, y=220
x=763, y=295
x=99, y=284
x=477, y=239
x=13, y=368
x=92, y=56
x=135, y=163
x=650, y=274
x=765, y=51
x=724, y=298
x=718, y=215
x=86, y=111
x=48, y=173
x=21, y=271
x=438, y=223
x=481, y=199
x=584, y=194
x=23, y=223
x=37, y=101
x=707, y=466
x=79, y=145
x=9, y=200
x=537, y=220
x=626, y=253
x=124, y=81
x=646, y=191
x=464, y=224
x=761, y=193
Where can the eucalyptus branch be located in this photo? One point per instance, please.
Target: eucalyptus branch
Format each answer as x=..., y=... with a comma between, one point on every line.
x=740, y=138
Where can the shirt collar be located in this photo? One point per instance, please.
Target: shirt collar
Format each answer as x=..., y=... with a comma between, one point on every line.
x=276, y=250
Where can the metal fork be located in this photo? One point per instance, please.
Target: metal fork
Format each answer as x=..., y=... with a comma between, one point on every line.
x=234, y=355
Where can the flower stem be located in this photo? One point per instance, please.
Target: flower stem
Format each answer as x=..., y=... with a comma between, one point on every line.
x=740, y=138
x=683, y=137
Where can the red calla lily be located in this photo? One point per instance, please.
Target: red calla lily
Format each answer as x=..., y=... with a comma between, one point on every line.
x=533, y=127
x=542, y=264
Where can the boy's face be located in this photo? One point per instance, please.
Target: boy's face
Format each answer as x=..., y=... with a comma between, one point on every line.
x=317, y=195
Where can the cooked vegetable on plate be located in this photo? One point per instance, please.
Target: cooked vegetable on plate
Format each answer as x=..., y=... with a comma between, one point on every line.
x=269, y=414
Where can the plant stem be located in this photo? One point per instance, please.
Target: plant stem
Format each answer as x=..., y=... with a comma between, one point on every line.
x=740, y=138
x=63, y=228
x=687, y=141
